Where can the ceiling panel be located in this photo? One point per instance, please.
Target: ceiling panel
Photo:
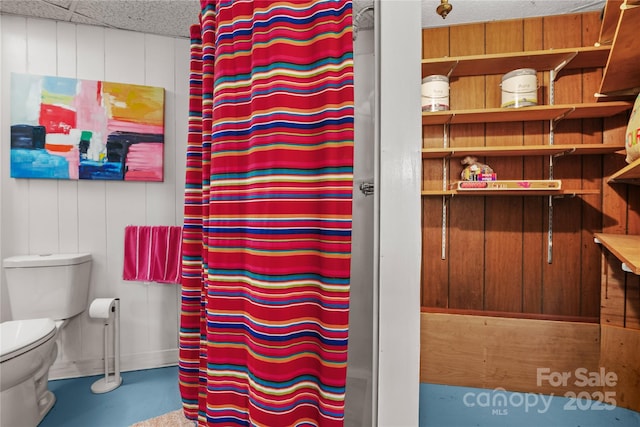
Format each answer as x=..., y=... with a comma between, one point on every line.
x=174, y=17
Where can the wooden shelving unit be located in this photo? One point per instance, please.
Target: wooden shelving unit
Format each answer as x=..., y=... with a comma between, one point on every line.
x=621, y=74
x=625, y=247
x=555, y=193
x=522, y=150
x=627, y=175
x=553, y=59
x=526, y=114
x=609, y=21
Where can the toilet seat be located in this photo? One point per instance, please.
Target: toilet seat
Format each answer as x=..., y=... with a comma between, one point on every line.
x=20, y=336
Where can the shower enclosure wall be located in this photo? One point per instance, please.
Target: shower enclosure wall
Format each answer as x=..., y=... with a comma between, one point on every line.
x=360, y=366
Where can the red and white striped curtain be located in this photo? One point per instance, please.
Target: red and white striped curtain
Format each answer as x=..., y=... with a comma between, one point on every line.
x=267, y=227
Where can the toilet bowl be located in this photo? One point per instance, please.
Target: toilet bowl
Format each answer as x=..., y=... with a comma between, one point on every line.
x=27, y=351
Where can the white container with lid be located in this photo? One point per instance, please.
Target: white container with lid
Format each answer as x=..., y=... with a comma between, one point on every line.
x=435, y=93
x=519, y=88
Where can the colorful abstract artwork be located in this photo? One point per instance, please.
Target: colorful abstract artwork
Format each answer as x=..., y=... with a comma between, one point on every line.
x=63, y=128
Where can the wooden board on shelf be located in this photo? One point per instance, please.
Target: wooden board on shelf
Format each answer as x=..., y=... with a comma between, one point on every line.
x=508, y=185
x=625, y=247
x=609, y=21
x=500, y=63
x=622, y=72
x=537, y=112
x=555, y=193
x=521, y=150
x=629, y=174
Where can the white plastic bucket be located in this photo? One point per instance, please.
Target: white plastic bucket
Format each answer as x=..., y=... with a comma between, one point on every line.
x=435, y=93
x=519, y=88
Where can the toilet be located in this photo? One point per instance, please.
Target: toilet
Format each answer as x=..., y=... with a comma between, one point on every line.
x=45, y=291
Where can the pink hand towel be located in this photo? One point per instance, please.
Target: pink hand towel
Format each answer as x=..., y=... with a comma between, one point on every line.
x=152, y=253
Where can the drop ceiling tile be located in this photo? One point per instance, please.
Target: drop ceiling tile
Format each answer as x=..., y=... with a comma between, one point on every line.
x=151, y=16
x=34, y=8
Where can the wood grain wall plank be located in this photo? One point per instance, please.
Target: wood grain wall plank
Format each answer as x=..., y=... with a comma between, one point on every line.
x=503, y=215
x=612, y=299
x=534, y=208
x=466, y=215
x=620, y=348
x=561, y=287
x=491, y=352
x=591, y=179
x=435, y=270
x=632, y=313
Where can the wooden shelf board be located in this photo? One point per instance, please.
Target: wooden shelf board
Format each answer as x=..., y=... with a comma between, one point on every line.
x=559, y=193
x=500, y=63
x=626, y=247
x=621, y=71
x=521, y=150
x=533, y=113
x=609, y=21
x=629, y=174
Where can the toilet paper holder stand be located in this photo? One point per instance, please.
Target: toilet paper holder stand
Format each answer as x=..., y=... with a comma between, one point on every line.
x=109, y=310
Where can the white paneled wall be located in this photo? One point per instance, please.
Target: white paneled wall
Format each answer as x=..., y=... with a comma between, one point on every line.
x=44, y=216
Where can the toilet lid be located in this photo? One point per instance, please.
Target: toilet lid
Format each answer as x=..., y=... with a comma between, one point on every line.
x=20, y=336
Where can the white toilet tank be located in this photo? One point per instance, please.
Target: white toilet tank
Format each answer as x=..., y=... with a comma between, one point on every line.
x=53, y=285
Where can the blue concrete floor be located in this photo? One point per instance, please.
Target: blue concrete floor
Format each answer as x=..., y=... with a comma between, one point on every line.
x=149, y=393
x=142, y=395
x=449, y=406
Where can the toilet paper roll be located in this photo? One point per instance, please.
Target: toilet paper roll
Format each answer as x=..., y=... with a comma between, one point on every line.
x=101, y=308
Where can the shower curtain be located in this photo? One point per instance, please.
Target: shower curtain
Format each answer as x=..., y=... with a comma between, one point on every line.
x=267, y=226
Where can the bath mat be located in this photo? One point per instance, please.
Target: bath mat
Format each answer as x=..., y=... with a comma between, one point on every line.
x=171, y=419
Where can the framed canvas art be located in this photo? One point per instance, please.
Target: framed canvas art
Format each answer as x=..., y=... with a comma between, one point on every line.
x=64, y=128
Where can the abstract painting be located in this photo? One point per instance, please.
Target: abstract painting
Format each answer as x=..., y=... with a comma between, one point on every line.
x=64, y=128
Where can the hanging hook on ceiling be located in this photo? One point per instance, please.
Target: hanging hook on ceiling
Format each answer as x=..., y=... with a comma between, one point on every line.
x=444, y=8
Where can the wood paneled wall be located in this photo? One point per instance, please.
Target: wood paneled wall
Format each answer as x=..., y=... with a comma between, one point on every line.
x=620, y=293
x=496, y=247
x=58, y=216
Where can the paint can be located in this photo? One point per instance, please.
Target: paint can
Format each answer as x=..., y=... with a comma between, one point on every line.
x=435, y=93
x=519, y=88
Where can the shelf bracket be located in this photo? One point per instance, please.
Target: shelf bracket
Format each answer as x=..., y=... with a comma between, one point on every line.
x=453, y=67
x=550, y=232
x=561, y=65
x=445, y=173
x=563, y=115
x=565, y=152
x=443, y=248
x=552, y=78
x=634, y=91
